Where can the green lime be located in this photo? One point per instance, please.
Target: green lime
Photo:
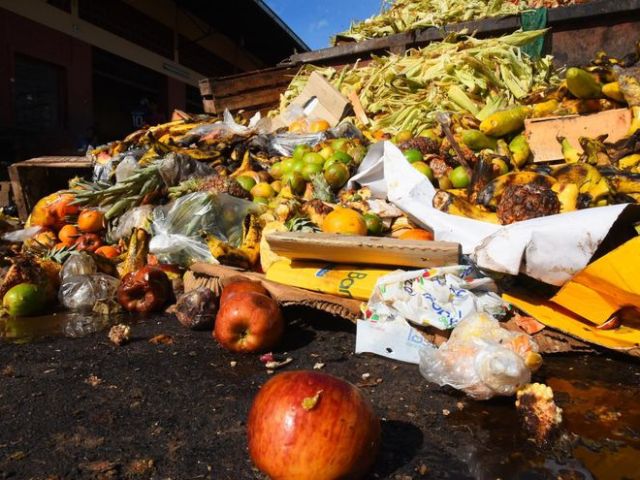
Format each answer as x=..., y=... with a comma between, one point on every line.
x=23, y=300
x=326, y=152
x=430, y=134
x=295, y=181
x=298, y=165
x=339, y=143
x=424, y=169
x=276, y=170
x=341, y=156
x=374, y=224
x=313, y=157
x=403, y=136
x=336, y=175
x=263, y=189
x=311, y=169
x=459, y=177
x=246, y=182
x=261, y=200
x=413, y=155
x=299, y=151
x=287, y=165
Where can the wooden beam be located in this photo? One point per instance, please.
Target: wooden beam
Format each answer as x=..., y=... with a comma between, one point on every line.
x=66, y=23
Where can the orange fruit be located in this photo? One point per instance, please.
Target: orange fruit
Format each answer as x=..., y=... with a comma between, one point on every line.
x=345, y=221
x=91, y=221
x=416, y=234
x=68, y=235
x=62, y=207
x=108, y=251
x=317, y=126
x=298, y=126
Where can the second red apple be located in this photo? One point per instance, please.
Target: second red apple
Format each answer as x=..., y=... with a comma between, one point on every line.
x=249, y=322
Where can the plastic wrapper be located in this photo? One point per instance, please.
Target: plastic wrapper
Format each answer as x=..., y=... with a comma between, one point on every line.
x=437, y=297
x=78, y=264
x=83, y=292
x=82, y=324
x=227, y=128
x=175, y=168
x=139, y=217
x=126, y=168
x=103, y=170
x=481, y=358
x=19, y=236
x=179, y=228
x=283, y=144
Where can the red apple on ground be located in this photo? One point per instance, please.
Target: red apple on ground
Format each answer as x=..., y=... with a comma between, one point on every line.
x=241, y=285
x=308, y=425
x=249, y=322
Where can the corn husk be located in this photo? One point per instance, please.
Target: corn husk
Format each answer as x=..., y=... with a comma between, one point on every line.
x=460, y=74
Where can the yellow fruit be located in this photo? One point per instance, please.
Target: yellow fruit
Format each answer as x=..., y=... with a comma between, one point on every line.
x=317, y=126
x=345, y=221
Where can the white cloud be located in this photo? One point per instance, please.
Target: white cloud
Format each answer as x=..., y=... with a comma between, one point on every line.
x=319, y=25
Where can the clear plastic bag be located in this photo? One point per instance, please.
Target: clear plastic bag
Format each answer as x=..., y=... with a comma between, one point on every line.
x=179, y=228
x=83, y=292
x=126, y=168
x=139, y=217
x=80, y=325
x=175, y=168
x=283, y=144
x=481, y=358
x=227, y=128
x=78, y=264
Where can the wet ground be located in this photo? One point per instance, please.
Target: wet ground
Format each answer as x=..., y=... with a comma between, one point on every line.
x=84, y=408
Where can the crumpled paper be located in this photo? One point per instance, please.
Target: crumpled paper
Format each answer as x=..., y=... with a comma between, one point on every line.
x=436, y=297
x=550, y=249
x=439, y=297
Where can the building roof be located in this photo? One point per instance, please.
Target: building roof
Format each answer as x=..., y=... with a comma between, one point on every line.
x=250, y=23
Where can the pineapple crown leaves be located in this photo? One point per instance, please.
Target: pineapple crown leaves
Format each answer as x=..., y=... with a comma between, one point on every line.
x=321, y=189
x=301, y=224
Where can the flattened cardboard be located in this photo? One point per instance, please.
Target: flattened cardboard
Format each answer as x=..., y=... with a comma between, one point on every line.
x=542, y=133
x=319, y=99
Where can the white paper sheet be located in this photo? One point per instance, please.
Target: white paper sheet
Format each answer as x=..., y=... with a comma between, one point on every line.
x=550, y=249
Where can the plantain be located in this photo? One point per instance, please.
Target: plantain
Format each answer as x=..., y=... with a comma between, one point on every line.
x=544, y=109
x=244, y=167
x=629, y=162
x=592, y=186
x=622, y=182
x=454, y=205
x=612, y=91
x=491, y=194
x=136, y=255
x=476, y=140
x=595, y=151
x=567, y=195
x=582, y=84
x=505, y=122
x=569, y=152
x=520, y=150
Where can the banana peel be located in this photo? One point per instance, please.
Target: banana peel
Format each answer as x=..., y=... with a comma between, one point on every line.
x=247, y=254
x=567, y=195
x=592, y=186
x=136, y=255
x=569, y=152
x=460, y=206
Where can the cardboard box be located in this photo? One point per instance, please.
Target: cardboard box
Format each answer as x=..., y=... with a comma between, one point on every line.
x=319, y=99
x=542, y=133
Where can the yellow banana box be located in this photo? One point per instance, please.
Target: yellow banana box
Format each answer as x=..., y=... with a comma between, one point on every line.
x=349, y=281
x=585, y=303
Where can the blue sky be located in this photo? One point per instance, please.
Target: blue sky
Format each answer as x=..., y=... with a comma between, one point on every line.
x=316, y=21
